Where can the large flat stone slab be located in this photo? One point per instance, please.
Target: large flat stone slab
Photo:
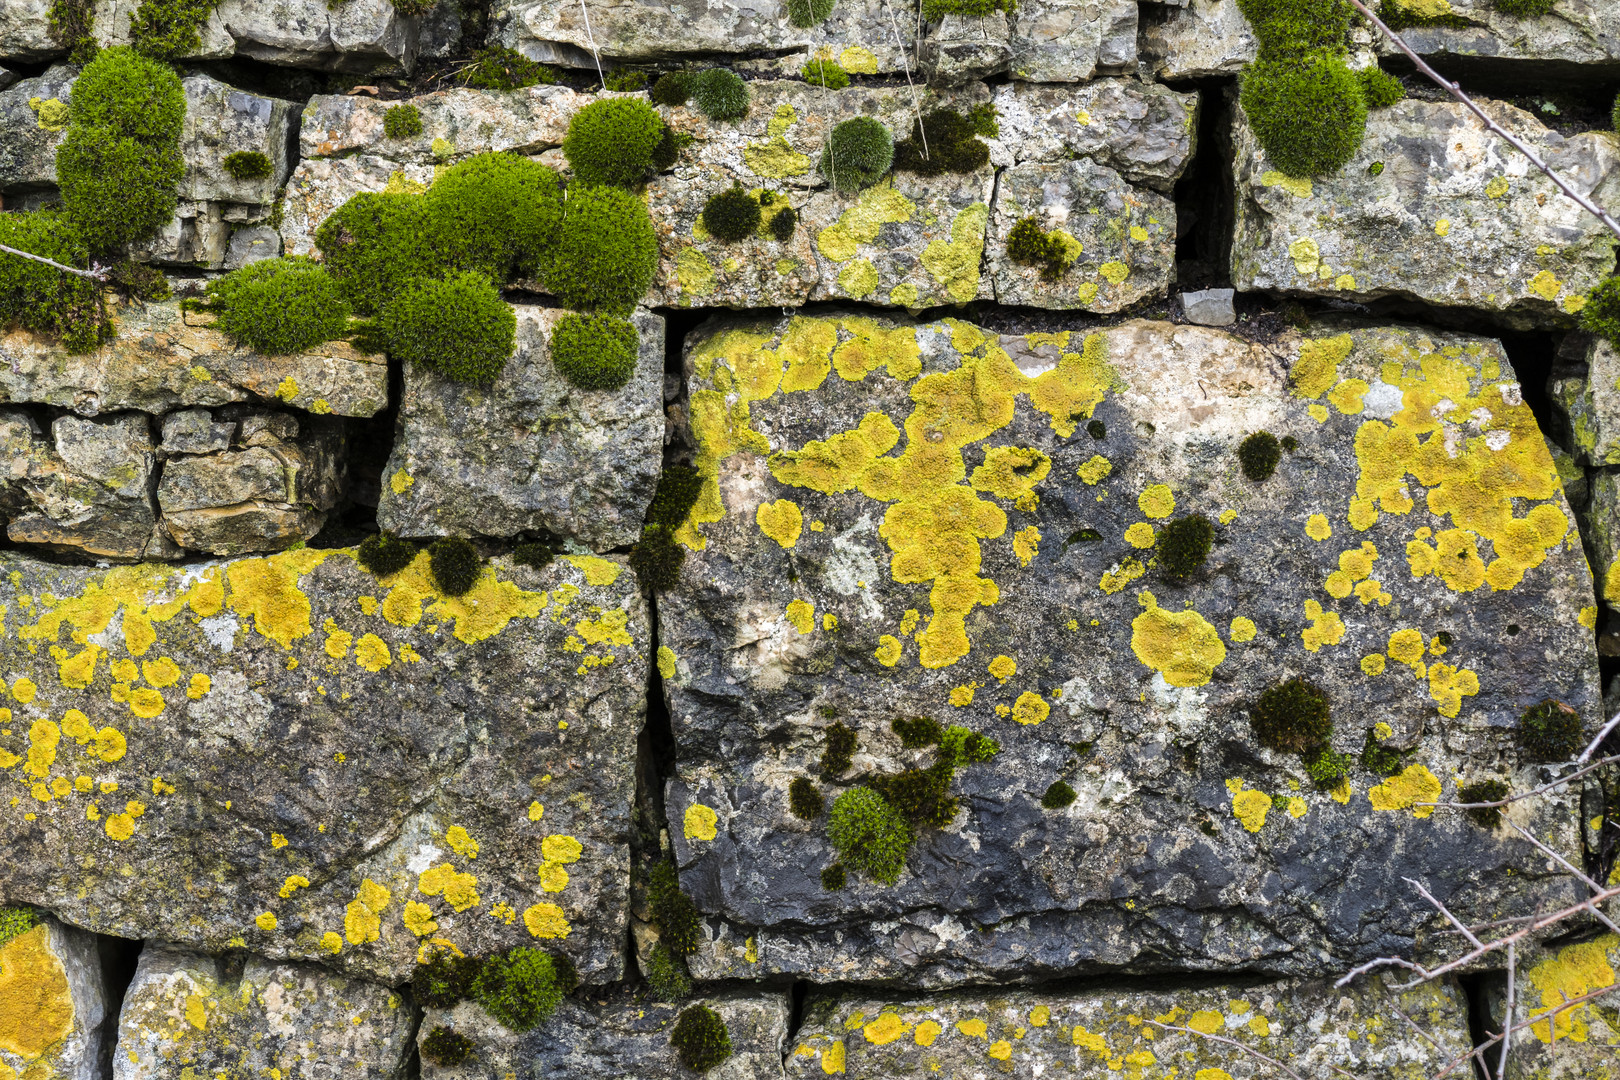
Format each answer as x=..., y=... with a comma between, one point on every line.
x=1574, y=32
x=287, y=756
x=357, y=35
x=1039, y=41
x=56, y=1022
x=972, y=556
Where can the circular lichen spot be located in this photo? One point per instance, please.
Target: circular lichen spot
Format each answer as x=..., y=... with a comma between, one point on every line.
x=1181, y=645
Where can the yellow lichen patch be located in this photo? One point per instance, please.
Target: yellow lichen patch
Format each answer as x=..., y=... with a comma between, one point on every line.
x=562, y=848
x=1326, y=627
x=362, y=919
x=199, y=685
x=701, y=823
x=1317, y=527
x=1576, y=971
x=418, y=919
x=145, y=702
x=459, y=890
x=1026, y=544
x=888, y=651
x=371, y=652
x=954, y=264
x=266, y=921
x=1011, y=472
x=1449, y=685
x=1003, y=668
x=461, y=842
x=1090, y=1040
x=782, y=521
x=338, y=640
x=36, y=1002
x=885, y=1029
x=1141, y=535
x=1181, y=645
x=801, y=615
x=1347, y=396
x=1000, y=1050
x=1249, y=806
x=597, y=571
x=43, y=737
x=546, y=921
x=1207, y=1021
x=77, y=670
x=962, y=696
x=973, y=1029
x=874, y=208
x=1121, y=575
x=1030, y=708
x=267, y=589
x=1317, y=369
x=293, y=883
x=1157, y=501
x=1095, y=468
x=1372, y=664
x=666, y=662
x=1241, y=630
x=331, y=942
x=1415, y=784
x=161, y=673
x=553, y=878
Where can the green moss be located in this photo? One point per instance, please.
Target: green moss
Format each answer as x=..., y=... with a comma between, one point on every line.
x=402, y=122
x=382, y=555
x=1601, y=315
x=1308, y=113
x=857, y=154
x=519, y=988
x=677, y=492
x=1550, y=732
x=917, y=732
x=1184, y=544
x=959, y=747
x=657, y=558
x=1525, y=9
x=446, y=1047
x=413, y=8
x=140, y=281
x=459, y=327
x=1486, y=817
x=807, y=13
x=944, y=141
x=1097, y=430
x=700, y=1038
x=731, y=214
x=279, y=306
x=1294, y=27
x=1289, y=443
x=498, y=214
x=169, y=29
x=247, y=165
x=71, y=23
x=37, y=297
x=16, y=921
x=783, y=222
x=500, y=68
x=804, y=799
x=626, y=81
x=595, y=352
x=719, y=94
x=834, y=877
x=673, y=88
x=607, y=251
x=921, y=795
x=1326, y=768
x=1058, y=796
x=535, y=554
x=1376, y=758
x=820, y=71
x=1293, y=716
x=1259, y=454
x=1380, y=88
x=669, y=149
x=667, y=974
x=838, y=752
x=375, y=245
x=677, y=919
x=1029, y=245
x=1397, y=16
x=613, y=141
x=869, y=835
x=936, y=10
x=455, y=564
x=444, y=979
x=134, y=96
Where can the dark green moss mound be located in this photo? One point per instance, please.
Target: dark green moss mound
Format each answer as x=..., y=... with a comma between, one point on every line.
x=279, y=306
x=535, y=554
x=16, y=921
x=858, y=153
x=674, y=88
x=1184, y=545
x=1029, y=245
x=519, y=989
x=595, y=352
x=117, y=190
x=1294, y=27
x=700, y=1038
x=402, y=122
x=1380, y=88
x=607, y=251
x=677, y=492
x=657, y=558
x=497, y=214
x=612, y=141
x=917, y=732
x=1326, y=768
x=375, y=245
x=838, y=752
x=668, y=152
x=1058, y=795
x=869, y=835
x=413, y=8
x=1550, y=732
x=382, y=555
x=1525, y=9
x=247, y=165
x=626, y=80
x=822, y=71
x=1097, y=430
x=807, y=13
x=1379, y=759
x=804, y=799
x=40, y=298
x=783, y=222
x=922, y=796
x=455, y=564
x=834, y=877
x=446, y=1046
x=1484, y=791
x=678, y=921
x=1289, y=443
x=500, y=68
x=667, y=974
x=444, y=979
x=731, y=215
x=459, y=327
x=140, y=281
x=1259, y=454
x=1601, y=315
x=719, y=94
x=169, y=29
x=1293, y=717
x=944, y=141
x=1309, y=113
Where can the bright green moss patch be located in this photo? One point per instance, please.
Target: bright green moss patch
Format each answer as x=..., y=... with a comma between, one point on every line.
x=16, y=921
x=857, y=154
x=383, y=555
x=807, y=13
x=1380, y=88
x=455, y=564
x=719, y=94
x=731, y=214
x=607, y=251
x=667, y=974
x=500, y=68
x=1259, y=454
x=595, y=352
x=459, y=327
x=626, y=80
x=804, y=799
x=1309, y=113
x=446, y=1047
x=520, y=988
x=1058, y=796
x=71, y=23
x=1601, y=315
x=947, y=141
x=869, y=835
x=700, y=1038
x=613, y=141
x=494, y=213
x=374, y=245
x=824, y=72
x=1292, y=717
x=936, y=10
x=1326, y=767
x=1550, y=732
x=1029, y=245
x=279, y=306
x=444, y=979
x=402, y=122
x=37, y=297
x=132, y=95
x=1525, y=9
x=169, y=29
x=677, y=919
x=247, y=165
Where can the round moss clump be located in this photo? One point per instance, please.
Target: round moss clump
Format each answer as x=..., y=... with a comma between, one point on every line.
x=731, y=215
x=869, y=835
x=535, y=554
x=247, y=165
x=783, y=223
x=858, y=153
x=667, y=975
x=720, y=94
x=1309, y=114
x=1550, y=732
x=459, y=327
x=402, y=122
x=455, y=565
x=1058, y=796
x=804, y=799
x=1259, y=454
x=497, y=214
x=612, y=141
x=519, y=989
x=1028, y=245
x=116, y=189
x=943, y=141
x=700, y=1038
x=1525, y=9
x=375, y=245
x=657, y=559
x=820, y=71
x=41, y=298
x=606, y=253
x=1184, y=544
x=1292, y=717
x=1380, y=88
x=1601, y=315
x=383, y=555
x=444, y=979
x=675, y=88
x=595, y=352
x=446, y=1047
x=1484, y=791
x=807, y=13
x=1327, y=768
x=279, y=306
x=839, y=751
x=127, y=93
x=1290, y=27
x=834, y=877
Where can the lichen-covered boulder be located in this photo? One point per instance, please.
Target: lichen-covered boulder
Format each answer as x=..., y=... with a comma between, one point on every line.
x=960, y=49
x=1144, y=131
x=1434, y=207
x=1197, y=39
x=53, y=1000
x=33, y=123
x=612, y=1037
x=222, y=120
x=1573, y=32
x=187, y=1014
x=357, y=35
x=1309, y=1025
x=289, y=756
x=1578, y=1043
x=531, y=451
x=163, y=358
x=1000, y=532
x=1589, y=405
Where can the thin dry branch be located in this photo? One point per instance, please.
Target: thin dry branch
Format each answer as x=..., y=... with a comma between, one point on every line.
x=1229, y=1042
x=1591, y=747
x=1588, y=882
x=93, y=275
x=1545, y=1016
x=1542, y=790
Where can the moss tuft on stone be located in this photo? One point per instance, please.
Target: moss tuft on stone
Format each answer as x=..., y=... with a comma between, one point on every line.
x=1308, y=113
x=824, y=72
x=1259, y=454
x=1481, y=791
x=402, y=122
x=838, y=752
x=535, y=554
x=804, y=799
x=946, y=141
x=606, y=253
x=626, y=80
x=444, y=979
x=1058, y=796
x=41, y=298
x=677, y=919
x=1550, y=732
x=16, y=921
x=700, y=1038
x=672, y=88
x=595, y=352
x=657, y=558
x=731, y=214
x=1379, y=759
x=247, y=165
x=495, y=213
x=917, y=732
x=500, y=68
x=455, y=564
x=1184, y=545
x=1525, y=9
x=719, y=94
x=446, y=1047
x=613, y=141
x=519, y=988
x=382, y=555
x=807, y=13
x=459, y=327
x=374, y=245
x=783, y=222
x=857, y=154
x=279, y=306
x=667, y=974
x=1380, y=88
x=71, y=23
x=1293, y=716
x=169, y=29
x=834, y=877
x=869, y=834
x=1029, y=245
x=1601, y=315
x=1326, y=768
x=936, y=10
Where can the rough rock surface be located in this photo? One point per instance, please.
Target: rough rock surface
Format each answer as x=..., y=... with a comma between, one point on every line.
x=288, y=756
x=1433, y=207
x=1564, y=1044
x=1197, y=39
x=1055, y=41
x=1038, y=613
x=622, y=1036
x=1589, y=405
x=1143, y=131
x=33, y=122
x=357, y=35
x=222, y=120
x=25, y=31
x=531, y=452
x=1309, y=1025
x=1574, y=32
x=54, y=1020
x=190, y=1014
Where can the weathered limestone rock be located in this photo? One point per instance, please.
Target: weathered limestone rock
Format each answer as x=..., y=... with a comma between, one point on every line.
x=1600, y=528
x=163, y=359
x=970, y=547
x=1141, y=130
x=33, y=123
x=287, y=756
x=1590, y=405
x=1574, y=32
x=1579, y=1043
x=25, y=31
x=270, y=492
x=357, y=35
x=252, y=244
x=1197, y=39
x=1040, y=41
x=1434, y=207
x=54, y=1022
x=194, y=431
x=197, y=235
x=530, y=452
x=460, y=122
x=958, y=49
x=222, y=120
x=82, y=488
x=1309, y=1025
x=1209, y=307
x=190, y=1014
x=320, y=185
x=622, y=1036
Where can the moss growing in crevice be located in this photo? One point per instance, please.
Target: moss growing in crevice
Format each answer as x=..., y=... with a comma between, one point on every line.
x=444, y=979
x=40, y=298
x=657, y=558
x=16, y=921
x=667, y=974
x=1526, y=9
x=382, y=555
x=500, y=68
x=676, y=494
x=700, y=1038
x=672, y=88
x=936, y=10
x=519, y=988
x=606, y=252
x=838, y=752
x=834, y=877
x=1601, y=315
x=169, y=29
x=1550, y=732
x=917, y=732
x=459, y=327
x=824, y=72
x=535, y=554
x=446, y=1047
x=71, y=24
x=497, y=214
x=677, y=919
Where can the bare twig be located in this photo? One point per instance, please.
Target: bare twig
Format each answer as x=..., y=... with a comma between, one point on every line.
x=1590, y=884
x=1461, y=929
x=1545, y=1016
x=1229, y=1042
x=916, y=106
x=1595, y=743
x=1542, y=790
x=93, y=275
x=1507, y=1030
x=592, y=36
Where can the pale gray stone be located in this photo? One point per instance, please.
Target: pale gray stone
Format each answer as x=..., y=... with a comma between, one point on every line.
x=194, y=431
x=1209, y=307
x=1590, y=405
x=959, y=49
x=1574, y=32
x=252, y=244
x=222, y=120
x=84, y=488
x=197, y=235
x=459, y=122
x=356, y=35
x=1067, y=40
x=56, y=1018
x=1144, y=131
x=25, y=31
x=1198, y=40
x=33, y=123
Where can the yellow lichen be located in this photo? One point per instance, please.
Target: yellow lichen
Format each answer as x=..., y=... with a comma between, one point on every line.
x=782, y=521
x=1250, y=808
x=1317, y=368
x=1415, y=784
x=955, y=263
x=666, y=662
x=36, y=1001
x=701, y=823
x=1095, y=469
x=418, y=919
x=293, y=883
x=1026, y=544
x=461, y=842
x=801, y=615
x=1117, y=577
x=1449, y=685
x=1030, y=708
x=1326, y=628
x=546, y=921
x=1182, y=646
x=885, y=1029
x=1157, y=501
x=1241, y=630
x=888, y=651
x=1141, y=535
x=371, y=652
x=1577, y=970
x=459, y=890
x=362, y=921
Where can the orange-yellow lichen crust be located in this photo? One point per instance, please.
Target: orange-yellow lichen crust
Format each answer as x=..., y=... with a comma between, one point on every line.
x=936, y=519
x=36, y=1003
x=1574, y=972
